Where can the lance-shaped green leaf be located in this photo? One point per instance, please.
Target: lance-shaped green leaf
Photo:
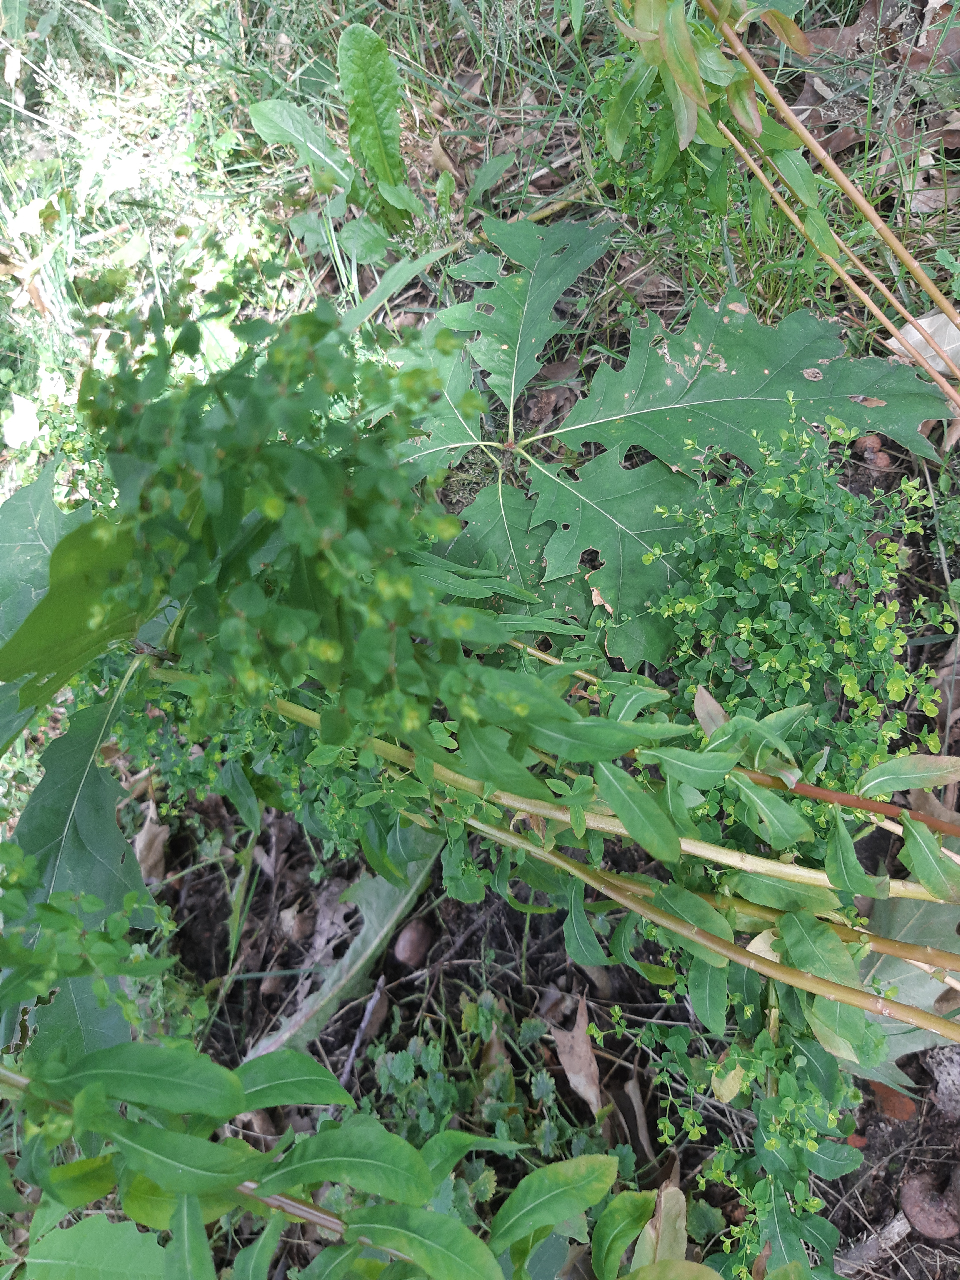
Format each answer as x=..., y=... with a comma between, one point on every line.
x=444, y=1151
x=779, y=1229
x=617, y=1227
x=645, y=821
x=627, y=517
x=392, y=280
x=290, y=1078
x=188, y=1256
x=550, y=1195
x=785, y=895
x=96, y=1249
x=833, y=1160
x=700, y=769
x=69, y=824
x=181, y=1163
x=235, y=785
x=693, y=910
x=798, y=175
x=843, y=866
x=277, y=120
x=723, y=383
x=676, y=44
x=622, y=110
x=901, y=773
x=622, y=942
x=707, y=987
x=439, y=1244
x=176, y=1079
x=371, y=89
x=253, y=1262
x=923, y=855
x=360, y=1153
x=73, y=624
x=592, y=739
x=579, y=939
x=781, y=825
x=742, y=100
x=521, y=321
x=841, y=1030
x=815, y=948
x=485, y=758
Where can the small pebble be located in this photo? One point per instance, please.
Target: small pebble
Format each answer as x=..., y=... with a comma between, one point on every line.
x=413, y=942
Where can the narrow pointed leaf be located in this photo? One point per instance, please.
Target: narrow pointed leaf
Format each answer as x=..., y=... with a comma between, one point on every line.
x=843, y=866
x=188, y=1256
x=371, y=89
x=815, y=948
x=550, y=1195
x=707, y=987
x=277, y=120
x=253, y=1262
x=444, y=1151
x=679, y=54
x=622, y=111
x=440, y=1245
x=176, y=1079
x=781, y=824
x=290, y=1078
x=617, y=1227
x=639, y=812
x=688, y=907
x=901, y=773
x=580, y=940
x=922, y=854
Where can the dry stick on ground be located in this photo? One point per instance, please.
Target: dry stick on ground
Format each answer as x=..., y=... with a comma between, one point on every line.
x=364, y=1023
x=850, y=189
x=948, y=390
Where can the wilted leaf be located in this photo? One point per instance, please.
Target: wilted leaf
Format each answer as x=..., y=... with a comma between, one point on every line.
x=575, y=1051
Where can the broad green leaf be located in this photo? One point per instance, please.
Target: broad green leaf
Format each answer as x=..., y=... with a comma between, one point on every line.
x=175, y=1079
x=287, y=1077
x=440, y=1245
x=69, y=823
x=360, y=1153
x=592, y=739
x=818, y=229
x=550, y=1195
x=833, y=1160
x=253, y=1262
x=95, y=1249
x=624, y=515
x=237, y=789
x=707, y=988
x=781, y=825
x=901, y=773
x=926, y=924
x=821, y=1233
x=499, y=525
x=277, y=120
x=188, y=1256
x=643, y=818
x=181, y=1163
x=383, y=906
x=798, y=176
x=771, y=891
x=843, y=866
x=11, y=1201
x=150, y=1205
x=521, y=322
x=371, y=89
x=693, y=910
x=622, y=111
x=364, y=240
x=333, y=1262
x=392, y=281
x=742, y=100
x=630, y=699
x=700, y=769
x=664, y=1238
x=780, y=1229
x=399, y=196
x=444, y=1151
x=72, y=625
x=922, y=854
x=815, y=948
x=485, y=757
x=722, y=382
x=81, y=1181
x=579, y=938
x=74, y=1023
x=617, y=1227
x=839, y=1028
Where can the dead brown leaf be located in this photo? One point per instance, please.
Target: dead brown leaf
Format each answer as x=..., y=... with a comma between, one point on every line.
x=442, y=162
x=149, y=844
x=575, y=1051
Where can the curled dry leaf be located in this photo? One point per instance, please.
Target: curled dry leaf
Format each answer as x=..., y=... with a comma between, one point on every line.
x=149, y=844
x=575, y=1052
x=932, y=1213
x=442, y=162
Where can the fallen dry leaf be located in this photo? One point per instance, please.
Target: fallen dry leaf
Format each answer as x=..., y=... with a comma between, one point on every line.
x=710, y=715
x=149, y=844
x=575, y=1051
x=442, y=162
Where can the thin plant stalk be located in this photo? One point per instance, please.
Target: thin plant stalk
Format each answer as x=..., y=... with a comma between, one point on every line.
x=829, y=165
x=950, y=392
